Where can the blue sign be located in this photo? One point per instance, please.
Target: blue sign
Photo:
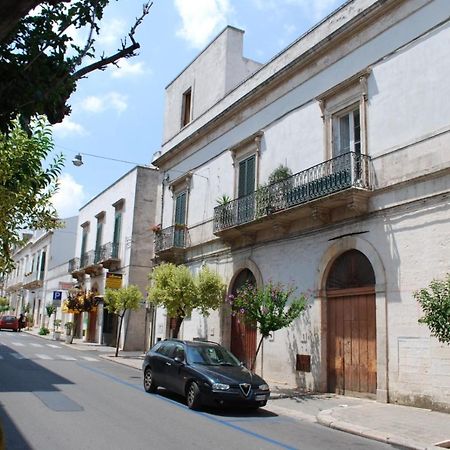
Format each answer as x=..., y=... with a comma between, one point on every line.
x=57, y=295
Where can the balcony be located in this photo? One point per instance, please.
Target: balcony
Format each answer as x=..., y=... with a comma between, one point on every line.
x=89, y=262
x=328, y=192
x=109, y=255
x=33, y=280
x=170, y=243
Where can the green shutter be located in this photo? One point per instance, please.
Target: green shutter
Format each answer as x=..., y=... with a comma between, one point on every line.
x=246, y=176
x=180, y=209
x=117, y=227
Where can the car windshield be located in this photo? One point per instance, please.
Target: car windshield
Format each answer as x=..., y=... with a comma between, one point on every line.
x=211, y=355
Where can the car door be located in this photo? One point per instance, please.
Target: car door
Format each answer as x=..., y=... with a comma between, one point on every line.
x=160, y=361
x=175, y=369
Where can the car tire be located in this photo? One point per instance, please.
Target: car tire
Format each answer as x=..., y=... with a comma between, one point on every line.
x=193, y=396
x=149, y=383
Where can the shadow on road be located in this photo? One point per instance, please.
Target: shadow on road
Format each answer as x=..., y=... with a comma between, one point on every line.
x=229, y=412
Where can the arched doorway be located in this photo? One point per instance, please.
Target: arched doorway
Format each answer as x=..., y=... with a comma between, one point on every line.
x=351, y=325
x=243, y=336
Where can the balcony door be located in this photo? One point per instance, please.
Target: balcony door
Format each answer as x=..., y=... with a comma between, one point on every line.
x=243, y=336
x=180, y=219
x=246, y=186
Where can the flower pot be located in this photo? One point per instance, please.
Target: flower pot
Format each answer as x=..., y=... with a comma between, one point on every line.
x=56, y=335
x=69, y=339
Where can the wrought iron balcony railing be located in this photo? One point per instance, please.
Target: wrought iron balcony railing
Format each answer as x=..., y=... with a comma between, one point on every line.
x=109, y=251
x=337, y=174
x=171, y=237
x=74, y=264
x=87, y=259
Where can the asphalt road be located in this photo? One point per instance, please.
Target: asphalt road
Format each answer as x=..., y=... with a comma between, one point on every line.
x=53, y=397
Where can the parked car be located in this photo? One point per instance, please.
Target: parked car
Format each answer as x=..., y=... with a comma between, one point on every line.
x=205, y=373
x=9, y=323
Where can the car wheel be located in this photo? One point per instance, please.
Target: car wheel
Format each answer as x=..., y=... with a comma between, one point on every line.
x=193, y=396
x=149, y=383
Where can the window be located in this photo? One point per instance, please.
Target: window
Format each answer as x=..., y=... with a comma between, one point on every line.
x=186, y=108
x=246, y=183
x=98, y=241
x=84, y=238
x=347, y=132
x=344, y=114
x=42, y=269
x=116, y=235
x=180, y=219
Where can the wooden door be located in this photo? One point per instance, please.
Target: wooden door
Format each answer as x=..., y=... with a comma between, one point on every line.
x=92, y=328
x=243, y=341
x=351, y=341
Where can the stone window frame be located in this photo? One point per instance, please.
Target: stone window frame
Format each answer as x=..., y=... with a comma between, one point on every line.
x=341, y=99
x=248, y=147
x=178, y=186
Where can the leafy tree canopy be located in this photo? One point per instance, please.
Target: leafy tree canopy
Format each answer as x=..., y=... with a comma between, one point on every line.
x=118, y=301
x=27, y=184
x=179, y=291
x=435, y=303
x=40, y=63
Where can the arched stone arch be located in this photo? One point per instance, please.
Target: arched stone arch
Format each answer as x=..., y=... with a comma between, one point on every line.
x=241, y=265
x=336, y=249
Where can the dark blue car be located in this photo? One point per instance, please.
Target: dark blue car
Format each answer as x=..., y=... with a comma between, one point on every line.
x=205, y=373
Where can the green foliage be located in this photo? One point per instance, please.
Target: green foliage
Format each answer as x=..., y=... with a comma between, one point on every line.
x=69, y=326
x=117, y=301
x=50, y=309
x=27, y=183
x=4, y=304
x=224, y=199
x=435, y=303
x=267, y=307
x=43, y=331
x=40, y=63
x=57, y=324
x=280, y=174
x=175, y=288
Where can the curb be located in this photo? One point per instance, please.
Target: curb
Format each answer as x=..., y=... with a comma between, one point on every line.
x=326, y=418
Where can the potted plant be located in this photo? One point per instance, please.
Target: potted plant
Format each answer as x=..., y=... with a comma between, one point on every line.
x=57, y=330
x=69, y=326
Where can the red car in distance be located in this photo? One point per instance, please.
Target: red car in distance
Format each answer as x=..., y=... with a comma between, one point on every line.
x=9, y=323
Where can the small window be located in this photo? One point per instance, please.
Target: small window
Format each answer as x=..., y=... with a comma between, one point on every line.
x=166, y=349
x=347, y=132
x=186, y=108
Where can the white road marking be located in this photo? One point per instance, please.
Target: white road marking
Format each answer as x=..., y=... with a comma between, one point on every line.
x=42, y=356
x=67, y=358
x=18, y=344
x=89, y=358
x=18, y=356
x=53, y=346
x=36, y=345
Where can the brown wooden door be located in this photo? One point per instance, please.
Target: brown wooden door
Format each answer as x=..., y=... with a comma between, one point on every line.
x=92, y=326
x=243, y=341
x=351, y=341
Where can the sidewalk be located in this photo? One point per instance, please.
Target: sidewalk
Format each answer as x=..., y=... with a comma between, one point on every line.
x=413, y=428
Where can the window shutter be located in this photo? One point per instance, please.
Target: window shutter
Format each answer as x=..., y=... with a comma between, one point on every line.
x=246, y=183
x=180, y=209
x=117, y=227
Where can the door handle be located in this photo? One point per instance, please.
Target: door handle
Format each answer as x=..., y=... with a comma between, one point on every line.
x=168, y=364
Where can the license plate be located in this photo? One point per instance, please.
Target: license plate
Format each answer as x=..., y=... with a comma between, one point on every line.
x=260, y=398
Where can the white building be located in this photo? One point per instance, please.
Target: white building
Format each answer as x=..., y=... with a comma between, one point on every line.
x=40, y=277
x=114, y=249
x=357, y=108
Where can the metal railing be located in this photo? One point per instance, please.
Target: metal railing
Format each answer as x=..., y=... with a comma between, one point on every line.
x=170, y=237
x=74, y=264
x=109, y=251
x=88, y=259
x=334, y=175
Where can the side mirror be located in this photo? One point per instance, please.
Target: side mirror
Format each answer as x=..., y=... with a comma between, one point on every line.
x=178, y=360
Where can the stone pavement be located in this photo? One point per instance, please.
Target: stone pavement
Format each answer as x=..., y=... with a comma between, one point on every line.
x=408, y=427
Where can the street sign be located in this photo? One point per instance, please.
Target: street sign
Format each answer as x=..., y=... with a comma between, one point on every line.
x=57, y=295
x=113, y=280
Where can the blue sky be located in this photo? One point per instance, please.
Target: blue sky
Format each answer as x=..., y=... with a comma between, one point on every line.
x=118, y=113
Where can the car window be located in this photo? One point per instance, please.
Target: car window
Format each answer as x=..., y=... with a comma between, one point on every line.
x=179, y=352
x=211, y=355
x=166, y=349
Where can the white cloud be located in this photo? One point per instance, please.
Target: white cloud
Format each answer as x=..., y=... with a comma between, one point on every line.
x=111, y=100
x=126, y=69
x=201, y=19
x=70, y=196
x=111, y=32
x=68, y=128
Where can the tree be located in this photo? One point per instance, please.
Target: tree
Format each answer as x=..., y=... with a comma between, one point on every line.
x=4, y=304
x=27, y=183
x=50, y=309
x=40, y=64
x=435, y=303
x=266, y=308
x=119, y=301
x=78, y=302
x=180, y=292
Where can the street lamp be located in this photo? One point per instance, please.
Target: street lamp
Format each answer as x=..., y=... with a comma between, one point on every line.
x=77, y=161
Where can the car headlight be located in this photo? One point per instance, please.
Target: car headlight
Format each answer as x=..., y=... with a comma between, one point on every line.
x=220, y=386
x=264, y=387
